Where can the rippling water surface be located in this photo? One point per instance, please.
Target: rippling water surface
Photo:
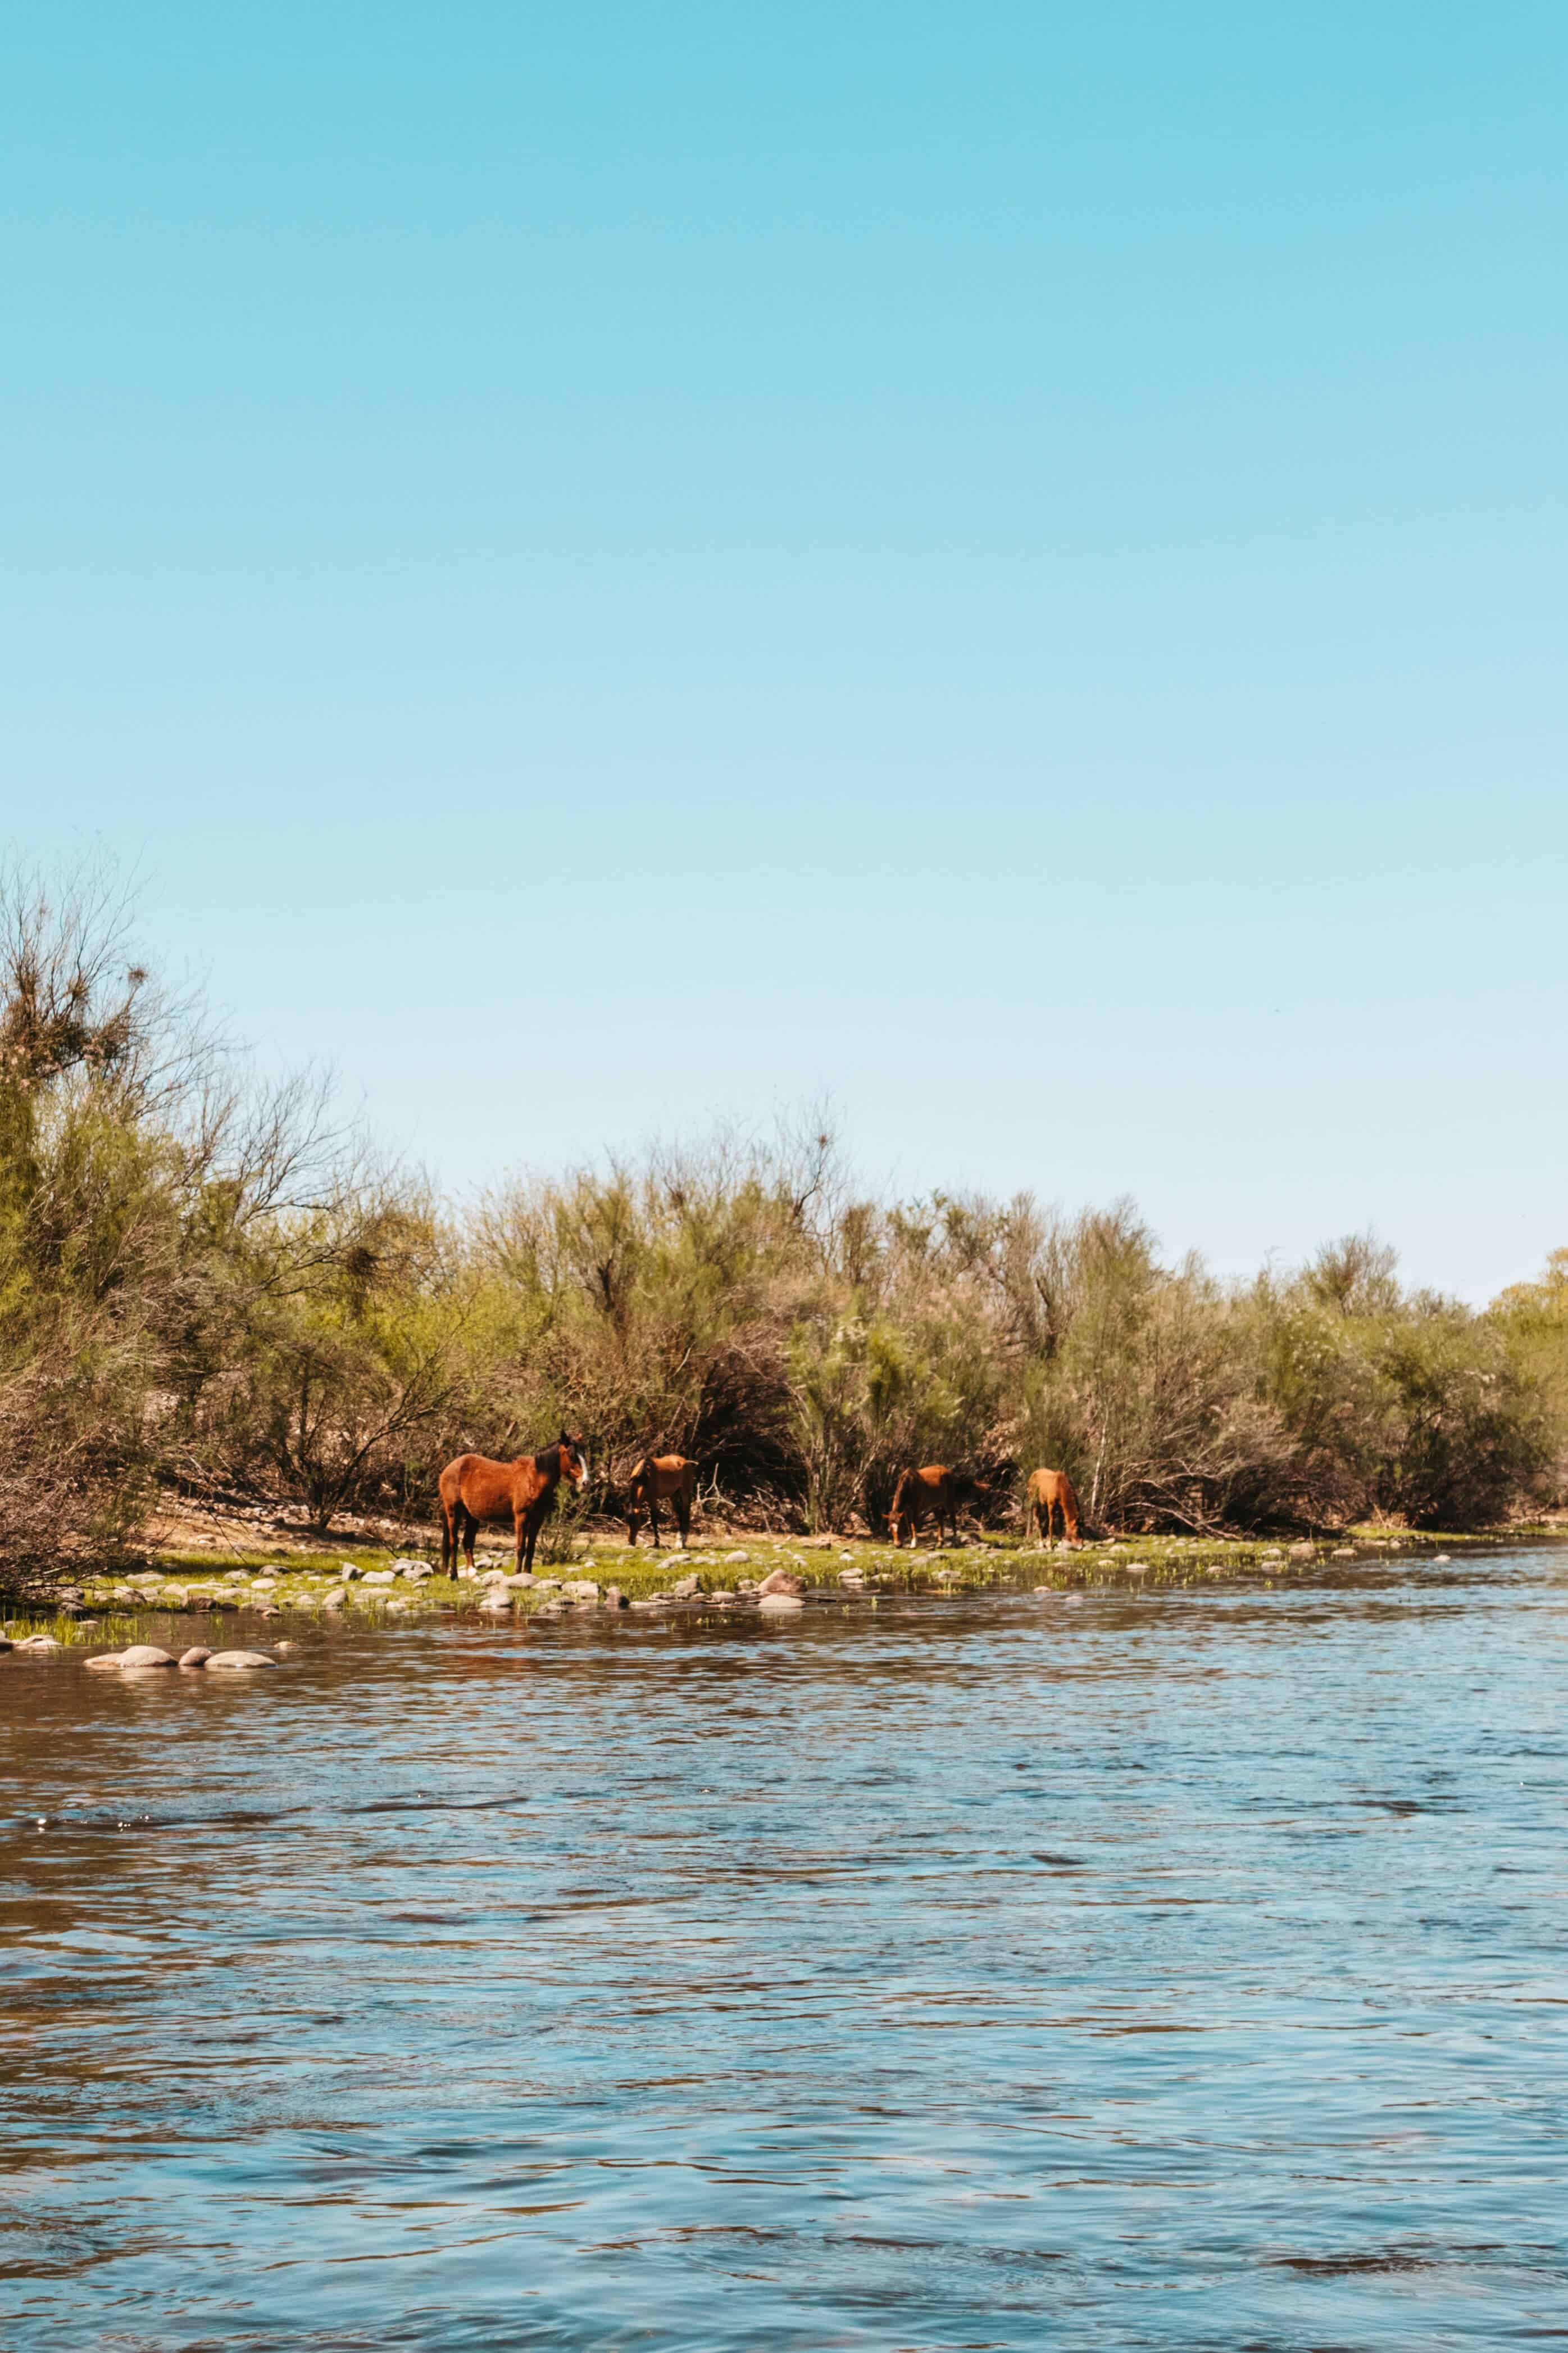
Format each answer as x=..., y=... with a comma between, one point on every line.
x=1181, y=1971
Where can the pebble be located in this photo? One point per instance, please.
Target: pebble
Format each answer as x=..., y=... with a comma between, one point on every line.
x=239, y=1659
x=38, y=1642
x=776, y=1603
x=736, y=1556
x=196, y=1656
x=686, y=1586
x=380, y=1577
x=335, y=1598
x=348, y=1571
x=780, y=1580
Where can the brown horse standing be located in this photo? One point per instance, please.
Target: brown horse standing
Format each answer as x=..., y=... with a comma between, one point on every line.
x=661, y=1478
x=475, y=1488
x=920, y=1495
x=1048, y=1492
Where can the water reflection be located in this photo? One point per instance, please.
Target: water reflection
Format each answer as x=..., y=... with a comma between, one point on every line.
x=1163, y=1971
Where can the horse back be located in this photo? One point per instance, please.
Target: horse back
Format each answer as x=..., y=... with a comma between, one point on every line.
x=1052, y=1487
x=486, y=1488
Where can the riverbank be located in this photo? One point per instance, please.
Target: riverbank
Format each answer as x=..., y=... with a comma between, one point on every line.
x=375, y=1584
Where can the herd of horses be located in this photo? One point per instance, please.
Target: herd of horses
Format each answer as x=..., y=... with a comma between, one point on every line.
x=475, y=1488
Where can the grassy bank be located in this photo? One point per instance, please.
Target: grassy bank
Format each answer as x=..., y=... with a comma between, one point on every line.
x=333, y=1586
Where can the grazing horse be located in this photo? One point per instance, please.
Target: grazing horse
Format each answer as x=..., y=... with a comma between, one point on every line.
x=920, y=1495
x=661, y=1478
x=1048, y=1492
x=474, y=1488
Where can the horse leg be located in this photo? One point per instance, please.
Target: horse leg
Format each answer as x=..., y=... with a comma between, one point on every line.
x=470, y=1530
x=531, y=1526
x=682, y=1506
x=449, y=1546
x=653, y=1517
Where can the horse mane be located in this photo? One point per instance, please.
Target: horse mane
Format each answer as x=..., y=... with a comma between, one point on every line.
x=548, y=1464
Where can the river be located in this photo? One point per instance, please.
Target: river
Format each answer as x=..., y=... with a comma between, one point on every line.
x=1186, y=1971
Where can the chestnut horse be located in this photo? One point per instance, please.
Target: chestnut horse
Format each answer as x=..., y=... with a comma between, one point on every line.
x=474, y=1488
x=661, y=1478
x=920, y=1495
x=1050, y=1491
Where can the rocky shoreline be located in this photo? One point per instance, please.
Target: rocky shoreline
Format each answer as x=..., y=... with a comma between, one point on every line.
x=772, y=1580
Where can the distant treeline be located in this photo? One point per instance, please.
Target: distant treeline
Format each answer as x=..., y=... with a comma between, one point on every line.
x=204, y=1290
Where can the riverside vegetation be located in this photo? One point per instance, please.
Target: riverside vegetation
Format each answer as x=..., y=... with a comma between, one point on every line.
x=207, y=1293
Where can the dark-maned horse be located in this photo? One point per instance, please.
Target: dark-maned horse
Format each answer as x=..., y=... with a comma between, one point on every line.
x=475, y=1488
x=932, y=1492
x=1047, y=1493
x=661, y=1478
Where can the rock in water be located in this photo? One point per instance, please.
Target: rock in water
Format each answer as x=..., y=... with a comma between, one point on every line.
x=239, y=1659
x=685, y=1586
x=780, y=1580
x=777, y=1603
x=146, y=1654
x=196, y=1656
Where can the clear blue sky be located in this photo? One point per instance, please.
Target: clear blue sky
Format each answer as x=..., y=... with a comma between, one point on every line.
x=613, y=565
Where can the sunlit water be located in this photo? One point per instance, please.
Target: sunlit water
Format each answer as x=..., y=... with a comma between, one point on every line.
x=1180, y=1971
